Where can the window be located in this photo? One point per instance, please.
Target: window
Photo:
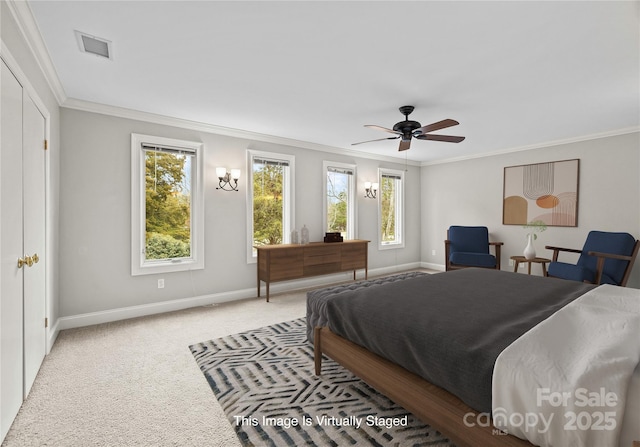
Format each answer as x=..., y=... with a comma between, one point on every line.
x=339, y=200
x=391, y=208
x=270, y=203
x=167, y=205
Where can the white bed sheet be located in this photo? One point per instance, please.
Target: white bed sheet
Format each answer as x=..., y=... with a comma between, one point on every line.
x=631, y=423
x=593, y=345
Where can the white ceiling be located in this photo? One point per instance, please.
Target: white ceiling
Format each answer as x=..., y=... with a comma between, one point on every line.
x=514, y=74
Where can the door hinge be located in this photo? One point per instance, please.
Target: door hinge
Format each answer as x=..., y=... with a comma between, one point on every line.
x=46, y=144
x=46, y=322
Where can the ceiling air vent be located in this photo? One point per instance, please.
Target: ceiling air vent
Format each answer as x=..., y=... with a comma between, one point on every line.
x=94, y=45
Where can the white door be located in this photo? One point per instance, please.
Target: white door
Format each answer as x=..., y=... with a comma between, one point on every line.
x=22, y=244
x=33, y=171
x=11, y=287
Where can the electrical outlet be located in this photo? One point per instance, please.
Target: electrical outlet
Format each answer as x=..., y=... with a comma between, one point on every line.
x=433, y=252
x=511, y=262
x=161, y=284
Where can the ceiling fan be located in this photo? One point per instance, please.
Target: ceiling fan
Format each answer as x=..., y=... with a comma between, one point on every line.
x=407, y=129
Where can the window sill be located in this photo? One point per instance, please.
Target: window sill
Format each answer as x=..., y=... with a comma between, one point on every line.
x=167, y=267
x=390, y=246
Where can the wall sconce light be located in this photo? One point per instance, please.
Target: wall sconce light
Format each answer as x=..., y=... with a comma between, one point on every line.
x=370, y=190
x=225, y=178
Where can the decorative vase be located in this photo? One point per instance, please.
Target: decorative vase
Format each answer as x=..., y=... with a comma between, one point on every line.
x=304, y=235
x=529, y=250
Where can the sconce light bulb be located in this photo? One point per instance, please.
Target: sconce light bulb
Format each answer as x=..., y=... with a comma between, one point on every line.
x=221, y=172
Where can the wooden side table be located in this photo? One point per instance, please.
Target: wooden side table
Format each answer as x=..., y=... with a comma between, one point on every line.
x=542, y=261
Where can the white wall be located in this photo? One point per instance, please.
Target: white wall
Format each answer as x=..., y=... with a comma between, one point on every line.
x=470, y=193
x=95, y=213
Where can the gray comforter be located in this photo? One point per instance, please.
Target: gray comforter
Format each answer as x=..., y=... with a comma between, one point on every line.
x=317, y=299
x=449, y=328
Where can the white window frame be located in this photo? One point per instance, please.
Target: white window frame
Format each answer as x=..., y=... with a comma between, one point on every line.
x=139, y=266
x=351, y=196
x=288, y=198
x=399, y=212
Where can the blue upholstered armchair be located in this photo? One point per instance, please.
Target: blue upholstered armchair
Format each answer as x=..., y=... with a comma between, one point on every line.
x=606, y=258
x=469, y=247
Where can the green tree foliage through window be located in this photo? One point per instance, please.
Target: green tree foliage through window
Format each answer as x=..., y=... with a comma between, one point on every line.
x=388, y=198
x=337, y=184
x=267, y=203
x=167, y=205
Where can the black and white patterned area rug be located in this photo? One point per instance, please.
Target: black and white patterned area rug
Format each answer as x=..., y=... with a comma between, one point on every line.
x=264, y=380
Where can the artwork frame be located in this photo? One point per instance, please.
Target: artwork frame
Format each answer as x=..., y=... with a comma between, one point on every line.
x=546, y=192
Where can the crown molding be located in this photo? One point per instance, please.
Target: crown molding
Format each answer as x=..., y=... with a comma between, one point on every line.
x=23, y=16
x=103, y=109
x=595, y=136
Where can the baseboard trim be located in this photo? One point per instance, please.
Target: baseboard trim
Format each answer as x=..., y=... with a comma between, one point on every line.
x=52, y=335
x=431, y=266
x=123, y=313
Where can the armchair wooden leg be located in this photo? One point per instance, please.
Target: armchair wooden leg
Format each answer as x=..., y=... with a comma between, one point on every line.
x=599, y=268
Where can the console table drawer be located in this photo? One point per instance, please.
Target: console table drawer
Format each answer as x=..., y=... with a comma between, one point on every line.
x=284, y=264
x=354, y=257
x=315, y=255
x=321, y=269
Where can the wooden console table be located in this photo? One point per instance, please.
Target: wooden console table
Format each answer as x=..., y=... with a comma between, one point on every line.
x=292, y=261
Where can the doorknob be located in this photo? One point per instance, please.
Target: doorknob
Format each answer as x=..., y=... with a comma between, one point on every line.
x=28, y=260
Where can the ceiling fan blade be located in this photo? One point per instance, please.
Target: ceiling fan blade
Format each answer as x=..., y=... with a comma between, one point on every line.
x=445, y=138
x=379, y=139
x=373, y=126
x=404, y=145
x=436, y=126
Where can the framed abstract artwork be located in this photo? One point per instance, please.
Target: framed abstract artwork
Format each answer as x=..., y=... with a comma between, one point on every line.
x=546, y=192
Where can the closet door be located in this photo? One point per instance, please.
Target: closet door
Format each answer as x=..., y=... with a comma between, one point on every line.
x=22, y=244
x=11, y=285
x=33, y=156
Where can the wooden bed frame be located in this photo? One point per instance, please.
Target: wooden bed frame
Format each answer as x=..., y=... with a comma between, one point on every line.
x=431, y=404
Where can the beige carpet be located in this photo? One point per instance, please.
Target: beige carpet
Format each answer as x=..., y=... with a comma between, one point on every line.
x=135, y=382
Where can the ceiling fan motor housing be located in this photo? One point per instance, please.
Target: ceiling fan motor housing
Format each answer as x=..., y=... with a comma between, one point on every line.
x=406, y=127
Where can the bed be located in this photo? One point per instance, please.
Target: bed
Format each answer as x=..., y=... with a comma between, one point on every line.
x=455, y=325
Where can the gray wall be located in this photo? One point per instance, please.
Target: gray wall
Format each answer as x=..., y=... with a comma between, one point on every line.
x=95, y=208
x=470, y=193
x=95, y=214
